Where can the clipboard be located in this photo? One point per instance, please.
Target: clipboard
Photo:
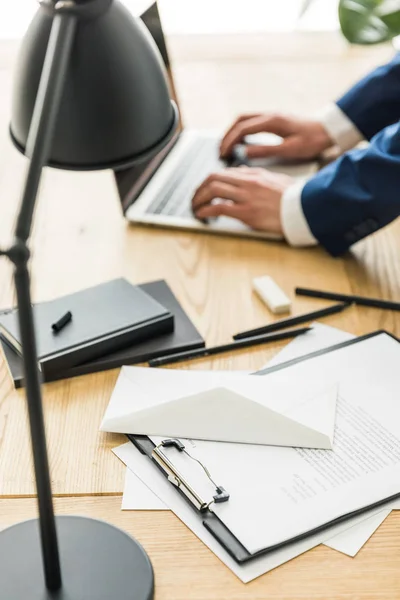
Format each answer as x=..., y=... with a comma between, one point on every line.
x=202, y=505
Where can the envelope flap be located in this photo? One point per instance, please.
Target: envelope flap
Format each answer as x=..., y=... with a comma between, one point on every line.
x=220, y=414
x=215, y=406
x=319, y=412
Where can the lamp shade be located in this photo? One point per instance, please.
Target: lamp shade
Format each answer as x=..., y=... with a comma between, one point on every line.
x=115, y=108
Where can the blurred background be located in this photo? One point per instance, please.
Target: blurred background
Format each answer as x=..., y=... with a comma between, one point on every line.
x=204, y=16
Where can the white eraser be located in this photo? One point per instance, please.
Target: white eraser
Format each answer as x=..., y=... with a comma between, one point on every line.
x=272, y=295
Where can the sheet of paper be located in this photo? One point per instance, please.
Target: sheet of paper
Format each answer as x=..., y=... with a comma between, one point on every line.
x=152, y=478
x=321, y=336
x=137, y=496
x=294, y=490
x=351, y=541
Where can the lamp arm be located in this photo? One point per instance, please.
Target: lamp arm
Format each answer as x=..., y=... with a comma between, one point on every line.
x=38, y=147
x=45, y=113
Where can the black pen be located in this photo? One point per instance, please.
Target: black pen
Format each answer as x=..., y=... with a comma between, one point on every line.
x=282, y=323
x=360, y=300
x=202, y=352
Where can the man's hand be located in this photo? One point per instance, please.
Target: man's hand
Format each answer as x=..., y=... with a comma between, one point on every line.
x=302, y=139
x=251, y=195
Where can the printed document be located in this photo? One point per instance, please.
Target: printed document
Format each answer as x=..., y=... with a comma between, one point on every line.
x=279, y=493
x=153, y=478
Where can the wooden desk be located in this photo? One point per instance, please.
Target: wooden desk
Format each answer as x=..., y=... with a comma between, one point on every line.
x=80, y=239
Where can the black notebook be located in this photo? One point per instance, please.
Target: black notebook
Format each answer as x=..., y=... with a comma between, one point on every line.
x=105, y=318
x=184, y=337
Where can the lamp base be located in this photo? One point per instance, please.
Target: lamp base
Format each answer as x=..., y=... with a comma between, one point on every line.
x=98, y=562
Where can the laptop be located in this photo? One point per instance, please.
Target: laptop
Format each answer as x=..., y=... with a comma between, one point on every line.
x=159, y=191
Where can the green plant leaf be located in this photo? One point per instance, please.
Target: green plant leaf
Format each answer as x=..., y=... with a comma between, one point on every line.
x=369, y=21
x=389, y=13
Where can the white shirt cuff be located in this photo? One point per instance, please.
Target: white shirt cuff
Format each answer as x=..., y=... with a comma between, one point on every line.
x=340, y=128
x=294, y=223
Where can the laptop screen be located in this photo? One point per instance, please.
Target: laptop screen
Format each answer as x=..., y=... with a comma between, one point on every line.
x=130, y=182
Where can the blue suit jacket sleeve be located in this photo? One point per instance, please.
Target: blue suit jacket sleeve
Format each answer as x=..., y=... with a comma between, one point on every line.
x=374, y=102
x=357, y=194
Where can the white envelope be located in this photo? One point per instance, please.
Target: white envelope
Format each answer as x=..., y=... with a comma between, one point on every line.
x=228, y=407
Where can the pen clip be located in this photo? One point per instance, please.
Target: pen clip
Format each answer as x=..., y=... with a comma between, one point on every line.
x=176, y=478
x=62, y=322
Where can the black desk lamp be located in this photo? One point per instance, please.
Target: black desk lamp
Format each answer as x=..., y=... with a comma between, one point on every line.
x=90, y=93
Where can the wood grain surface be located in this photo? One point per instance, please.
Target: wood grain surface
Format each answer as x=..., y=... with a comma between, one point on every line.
x=186, y=570
x=80, y=239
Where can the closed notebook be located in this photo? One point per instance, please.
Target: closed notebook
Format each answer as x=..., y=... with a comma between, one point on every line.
x=105, y=318
x=184, y=336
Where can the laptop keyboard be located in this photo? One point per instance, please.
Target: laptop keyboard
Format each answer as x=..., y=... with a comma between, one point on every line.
x=175, y=198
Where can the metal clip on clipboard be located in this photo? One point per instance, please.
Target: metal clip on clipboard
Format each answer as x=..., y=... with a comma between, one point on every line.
x=179, y=481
